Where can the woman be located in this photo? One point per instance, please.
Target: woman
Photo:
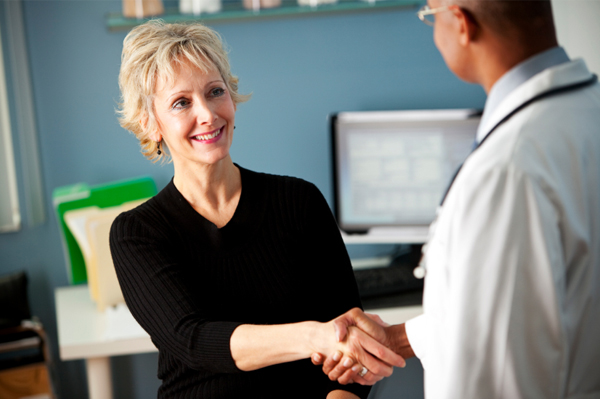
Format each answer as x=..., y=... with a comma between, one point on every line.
x=224, y=264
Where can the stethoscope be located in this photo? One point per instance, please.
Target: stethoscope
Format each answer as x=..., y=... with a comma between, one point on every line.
x=420, y=271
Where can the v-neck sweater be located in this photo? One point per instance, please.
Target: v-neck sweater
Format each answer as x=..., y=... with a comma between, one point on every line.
x=280, y=259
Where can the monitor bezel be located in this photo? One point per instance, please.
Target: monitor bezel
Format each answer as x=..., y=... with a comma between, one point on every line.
x=399, y=115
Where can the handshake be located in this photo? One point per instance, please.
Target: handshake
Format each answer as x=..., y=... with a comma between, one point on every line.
x=368, y=348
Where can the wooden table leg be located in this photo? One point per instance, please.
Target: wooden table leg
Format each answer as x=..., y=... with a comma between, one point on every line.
x=99, y=378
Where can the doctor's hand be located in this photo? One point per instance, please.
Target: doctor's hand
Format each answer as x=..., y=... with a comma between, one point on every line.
x=358, y=351
x=343, y=368
x=357, y=346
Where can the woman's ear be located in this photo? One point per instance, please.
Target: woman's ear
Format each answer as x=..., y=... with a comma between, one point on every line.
x=154, y=136
x=144, y=121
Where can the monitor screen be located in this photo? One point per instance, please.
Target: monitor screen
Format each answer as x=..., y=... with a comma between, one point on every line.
x=391, y=167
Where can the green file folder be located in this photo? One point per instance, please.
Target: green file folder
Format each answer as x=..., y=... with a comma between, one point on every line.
x=81, y=195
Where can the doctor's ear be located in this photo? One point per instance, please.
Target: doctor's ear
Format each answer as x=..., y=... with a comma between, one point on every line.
x=468, y=27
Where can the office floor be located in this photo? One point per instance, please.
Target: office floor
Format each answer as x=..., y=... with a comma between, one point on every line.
x=404, y=383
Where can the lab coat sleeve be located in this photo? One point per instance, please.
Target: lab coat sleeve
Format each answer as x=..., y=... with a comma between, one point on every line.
x=416, y=330
x=499, y=335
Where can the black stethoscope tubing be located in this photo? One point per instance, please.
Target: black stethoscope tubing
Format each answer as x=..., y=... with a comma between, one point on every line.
x=420, y=271
x=558, y=90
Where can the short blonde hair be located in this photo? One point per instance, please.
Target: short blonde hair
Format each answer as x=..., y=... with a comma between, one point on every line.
x=152, y=51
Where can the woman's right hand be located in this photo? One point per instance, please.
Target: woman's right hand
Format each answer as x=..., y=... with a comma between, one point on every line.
x=358, y=349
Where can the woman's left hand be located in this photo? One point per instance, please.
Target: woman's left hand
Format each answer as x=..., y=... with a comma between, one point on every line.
x=336, y=370
x=340, y=394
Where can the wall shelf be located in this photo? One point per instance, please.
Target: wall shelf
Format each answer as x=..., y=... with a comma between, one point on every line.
x=235, y=12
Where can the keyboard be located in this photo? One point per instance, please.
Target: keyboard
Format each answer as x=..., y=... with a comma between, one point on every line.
x=387, y=280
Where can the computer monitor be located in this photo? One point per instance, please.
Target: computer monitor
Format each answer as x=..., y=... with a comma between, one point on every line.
x=390, y=168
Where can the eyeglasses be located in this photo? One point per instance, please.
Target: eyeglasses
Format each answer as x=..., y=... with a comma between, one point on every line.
x=426, y=14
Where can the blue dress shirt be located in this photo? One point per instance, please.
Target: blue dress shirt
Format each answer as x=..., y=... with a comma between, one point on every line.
x=515, y=77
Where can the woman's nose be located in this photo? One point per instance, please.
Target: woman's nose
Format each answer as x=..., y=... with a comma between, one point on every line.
x=205, y=114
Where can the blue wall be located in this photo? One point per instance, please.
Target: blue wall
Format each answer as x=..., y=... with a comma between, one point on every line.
x=299, y=70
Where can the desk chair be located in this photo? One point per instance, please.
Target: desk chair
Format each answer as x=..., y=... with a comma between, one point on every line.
x=24, y=356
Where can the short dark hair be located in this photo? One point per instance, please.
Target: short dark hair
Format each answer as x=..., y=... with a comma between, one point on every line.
x=507, y=17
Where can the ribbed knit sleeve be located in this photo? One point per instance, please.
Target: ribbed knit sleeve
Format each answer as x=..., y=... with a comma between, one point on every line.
x=157, y=294
x=280, y=259
x=334, y=279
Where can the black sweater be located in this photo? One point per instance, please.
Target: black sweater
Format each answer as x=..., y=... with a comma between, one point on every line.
x=189, y=284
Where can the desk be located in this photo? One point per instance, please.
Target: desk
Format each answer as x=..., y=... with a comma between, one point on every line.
x=82, y=335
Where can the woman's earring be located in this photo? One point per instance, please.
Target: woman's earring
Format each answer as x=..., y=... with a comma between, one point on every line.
x=158, y=145
x=233, y=127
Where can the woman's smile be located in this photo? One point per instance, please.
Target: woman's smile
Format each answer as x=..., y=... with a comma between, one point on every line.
x=210, y=137
x=196, y=115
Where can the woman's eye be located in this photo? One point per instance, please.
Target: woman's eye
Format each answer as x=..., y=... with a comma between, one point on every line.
x=181, y=104
x=216, y=92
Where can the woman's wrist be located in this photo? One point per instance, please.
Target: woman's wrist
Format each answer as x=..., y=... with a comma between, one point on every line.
x=320, y=338
x=257, y=346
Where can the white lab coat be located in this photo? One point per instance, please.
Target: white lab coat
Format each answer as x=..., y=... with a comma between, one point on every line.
x=512, y=291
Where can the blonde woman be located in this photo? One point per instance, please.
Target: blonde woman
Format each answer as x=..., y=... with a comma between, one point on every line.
x=224, y=266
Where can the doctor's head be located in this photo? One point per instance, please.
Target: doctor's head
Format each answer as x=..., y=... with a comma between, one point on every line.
x=481, y=39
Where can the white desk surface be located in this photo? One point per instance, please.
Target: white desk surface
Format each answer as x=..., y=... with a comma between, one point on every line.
x=408, y=238
x=82, y=329
x=397, y=315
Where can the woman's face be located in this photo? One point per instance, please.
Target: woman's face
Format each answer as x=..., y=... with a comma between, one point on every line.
x=195, y=116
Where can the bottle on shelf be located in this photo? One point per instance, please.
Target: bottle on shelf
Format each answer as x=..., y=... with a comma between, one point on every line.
x=198, y=7
x=315, y=3
x=256, y=5
x=142, y=8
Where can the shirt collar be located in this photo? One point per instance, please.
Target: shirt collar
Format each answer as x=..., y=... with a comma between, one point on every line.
x=518, y=75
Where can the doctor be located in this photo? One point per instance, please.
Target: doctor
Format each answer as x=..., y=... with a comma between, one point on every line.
x=512, y=292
